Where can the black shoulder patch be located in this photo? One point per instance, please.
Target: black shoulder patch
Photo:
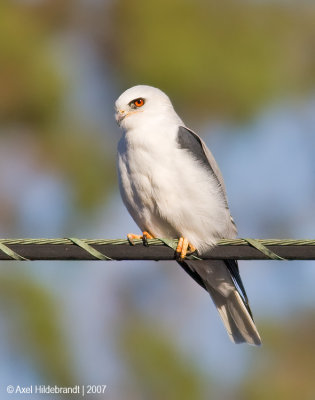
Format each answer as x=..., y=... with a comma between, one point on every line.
x=189, y=141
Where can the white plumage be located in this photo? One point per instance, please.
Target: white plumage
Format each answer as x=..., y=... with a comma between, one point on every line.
x=172, y=187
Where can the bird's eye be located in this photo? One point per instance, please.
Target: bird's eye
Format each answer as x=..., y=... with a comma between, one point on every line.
x=138, y=102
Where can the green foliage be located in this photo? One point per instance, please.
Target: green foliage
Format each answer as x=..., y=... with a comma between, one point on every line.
x=221, y=57
x=155, y=364
x=30, y=85
x=286, y=362
x=31, y=316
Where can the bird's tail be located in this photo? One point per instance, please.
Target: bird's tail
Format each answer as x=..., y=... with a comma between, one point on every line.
x=221, y=279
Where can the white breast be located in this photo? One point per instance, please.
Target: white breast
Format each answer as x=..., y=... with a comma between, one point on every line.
x=167, y=192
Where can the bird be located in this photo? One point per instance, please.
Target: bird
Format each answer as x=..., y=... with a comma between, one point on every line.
x=173, y=188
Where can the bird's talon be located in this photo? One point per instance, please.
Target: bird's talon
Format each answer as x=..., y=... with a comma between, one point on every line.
x=179, y=248
x=182, y=248
x=145, y=236
x=145, y=241
x=131, y=241
x=131, y=237
x=191, y=249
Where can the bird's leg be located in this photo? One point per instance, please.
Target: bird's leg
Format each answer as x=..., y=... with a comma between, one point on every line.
x=183, y=248
x=145, y=236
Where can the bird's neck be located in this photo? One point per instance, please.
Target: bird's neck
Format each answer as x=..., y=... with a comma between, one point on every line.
x=152, y=135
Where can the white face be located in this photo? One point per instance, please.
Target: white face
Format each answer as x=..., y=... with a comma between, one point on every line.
x=141, y=104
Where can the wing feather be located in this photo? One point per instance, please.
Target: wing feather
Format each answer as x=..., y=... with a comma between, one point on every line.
x=189, y=140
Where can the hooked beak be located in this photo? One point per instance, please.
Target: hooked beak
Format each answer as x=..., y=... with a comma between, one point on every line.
x=120, y=115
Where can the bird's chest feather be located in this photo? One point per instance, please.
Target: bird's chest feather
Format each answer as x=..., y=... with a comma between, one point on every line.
x=167, y=191
x=145, y=167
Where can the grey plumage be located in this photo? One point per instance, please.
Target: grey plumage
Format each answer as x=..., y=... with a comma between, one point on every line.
x=189, y=141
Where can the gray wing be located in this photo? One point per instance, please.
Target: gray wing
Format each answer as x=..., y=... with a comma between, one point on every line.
x=189, y=140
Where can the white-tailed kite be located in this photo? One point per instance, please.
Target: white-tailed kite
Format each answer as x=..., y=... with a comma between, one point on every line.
x=173, y=188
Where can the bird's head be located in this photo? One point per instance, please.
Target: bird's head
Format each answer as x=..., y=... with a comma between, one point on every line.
x=143, y=104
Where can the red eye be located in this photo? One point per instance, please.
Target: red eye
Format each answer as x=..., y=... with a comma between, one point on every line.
x=138, y=102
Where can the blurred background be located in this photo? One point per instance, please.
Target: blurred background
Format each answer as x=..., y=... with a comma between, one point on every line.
x=240, y=73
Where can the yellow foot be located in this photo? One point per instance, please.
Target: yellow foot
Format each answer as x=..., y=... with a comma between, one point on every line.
x=145, y=236
x=183, y=248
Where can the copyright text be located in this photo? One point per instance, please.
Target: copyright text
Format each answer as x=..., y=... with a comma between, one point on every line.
x=48, y=389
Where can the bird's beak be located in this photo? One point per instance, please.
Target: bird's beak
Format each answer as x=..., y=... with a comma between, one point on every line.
x=120, y=115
